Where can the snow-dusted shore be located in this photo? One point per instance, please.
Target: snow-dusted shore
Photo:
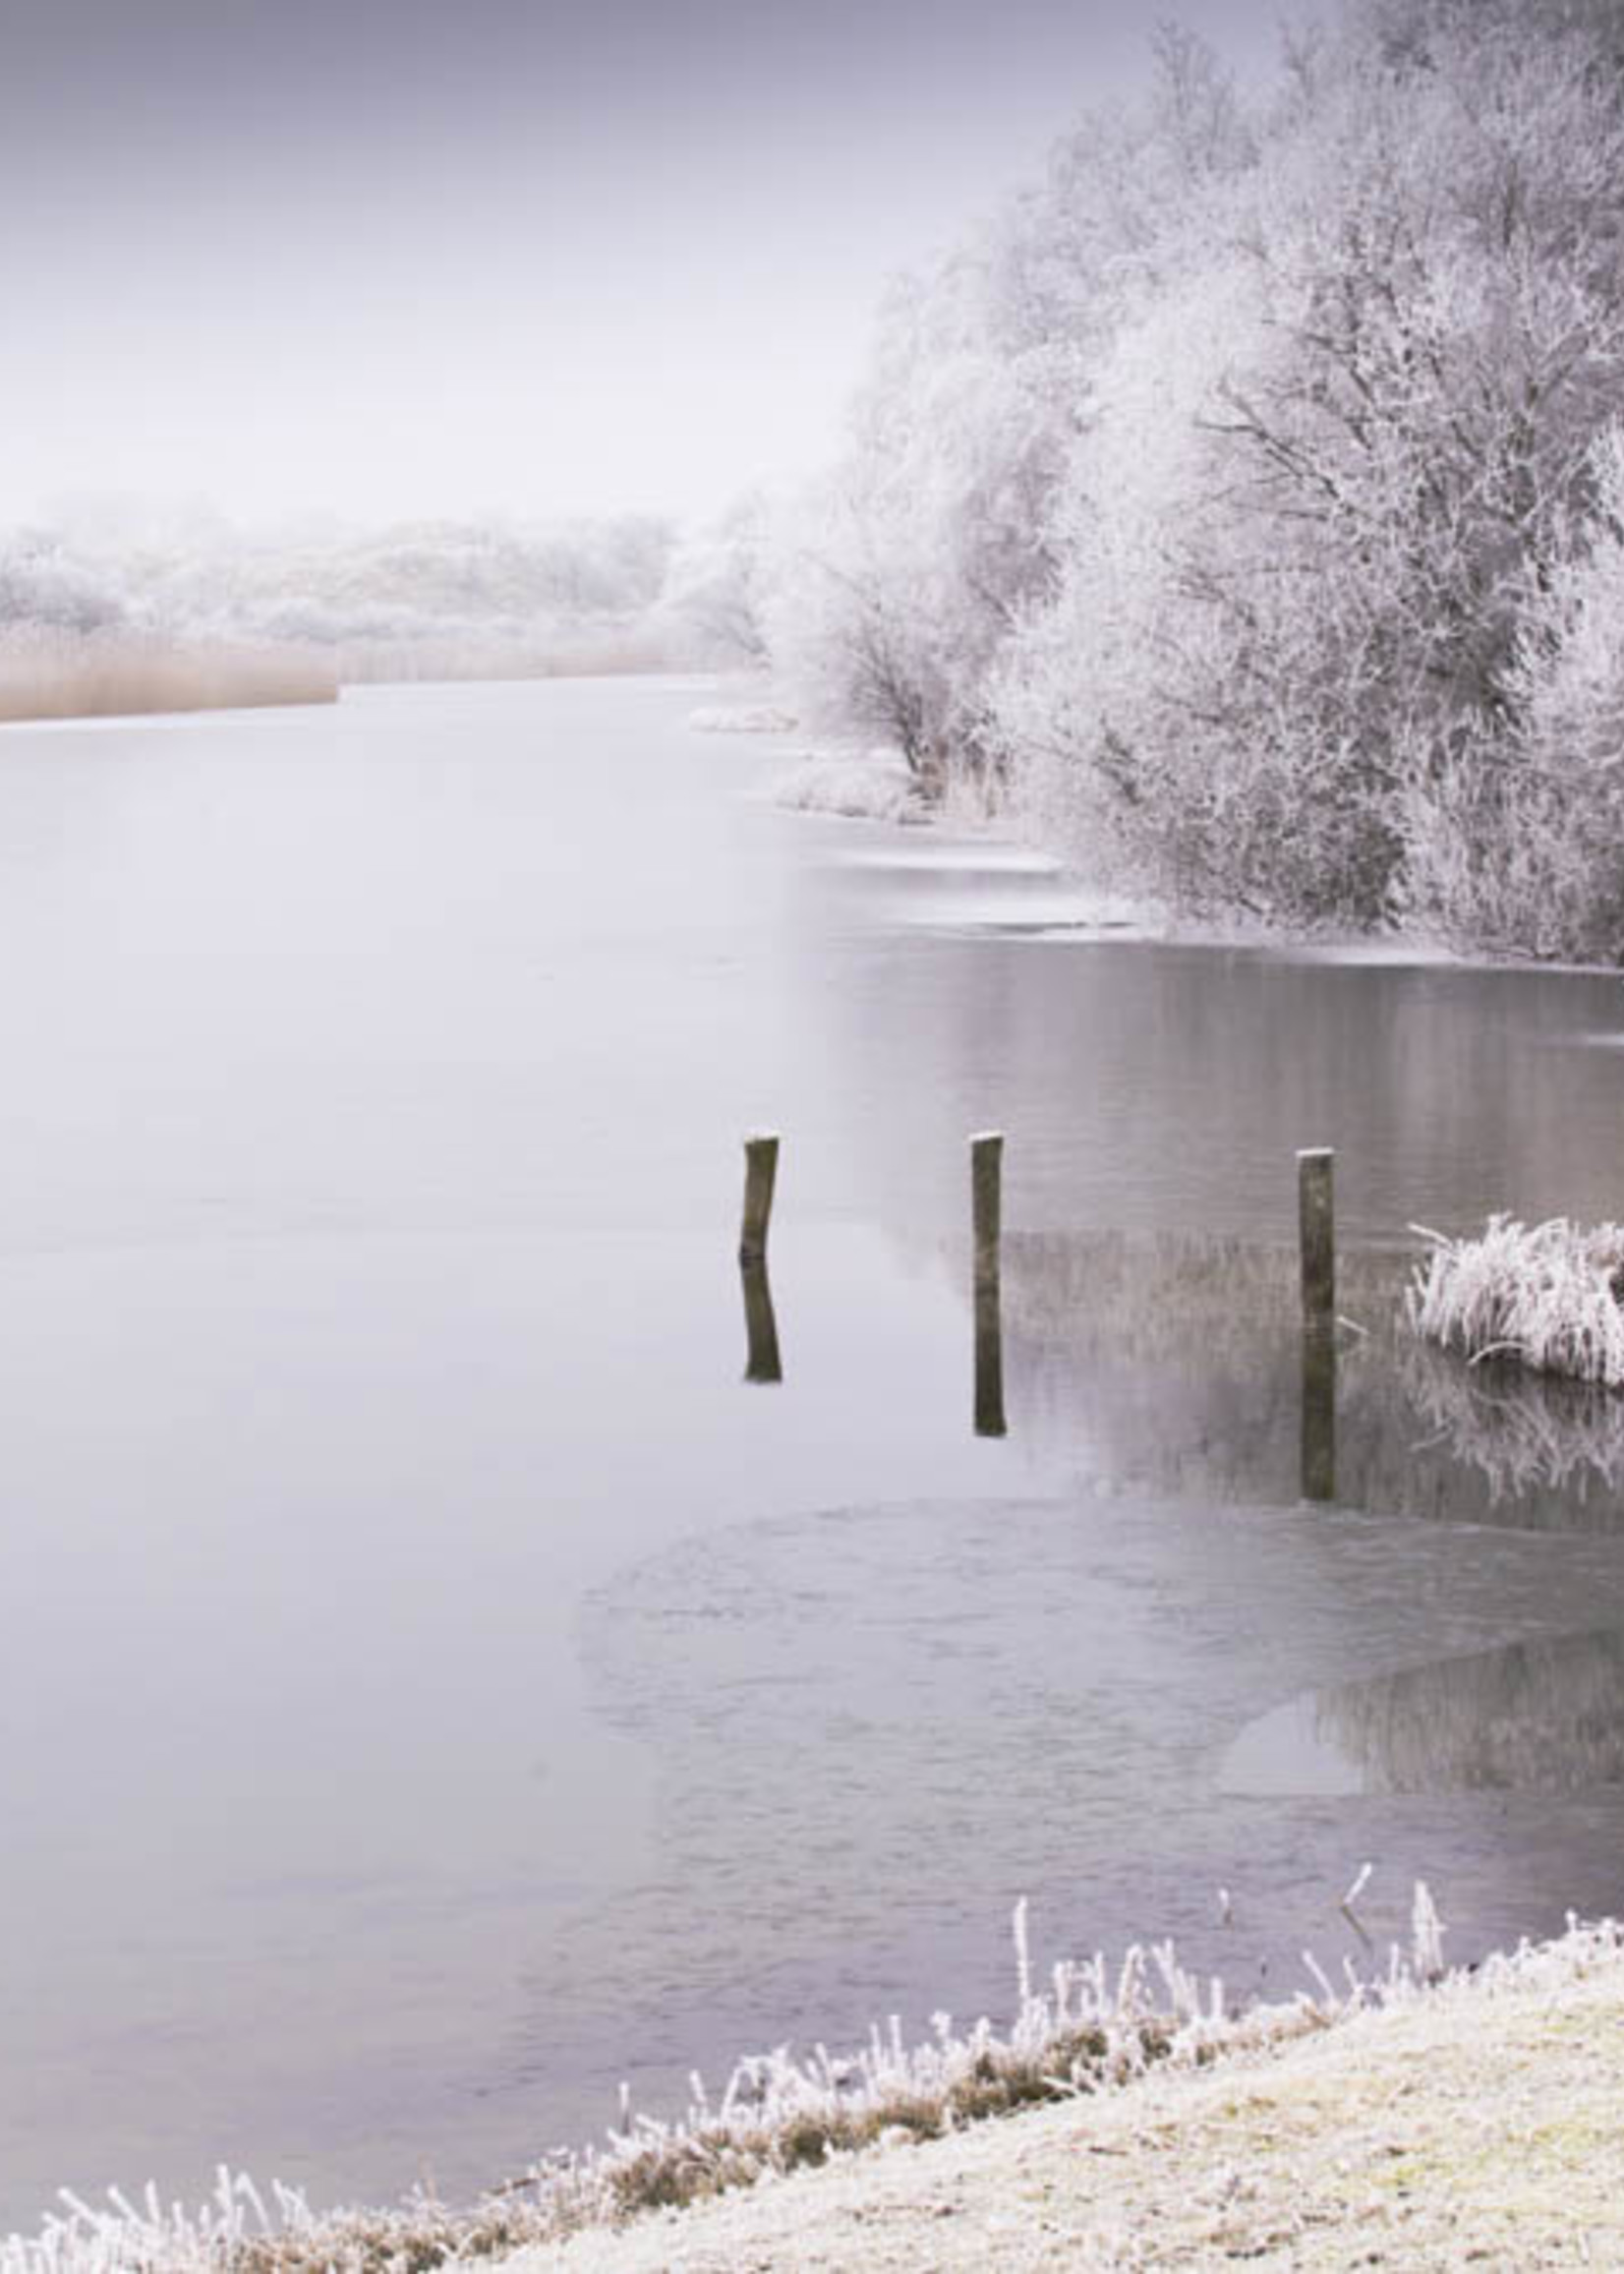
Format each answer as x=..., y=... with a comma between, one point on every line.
x=1481, y=2123
x=1474, y=2119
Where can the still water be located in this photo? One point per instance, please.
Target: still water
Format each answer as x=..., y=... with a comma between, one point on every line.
x=437, y=1685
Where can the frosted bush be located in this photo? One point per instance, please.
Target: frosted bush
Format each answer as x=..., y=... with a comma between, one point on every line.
x=1549, y=1297
x=874, y=788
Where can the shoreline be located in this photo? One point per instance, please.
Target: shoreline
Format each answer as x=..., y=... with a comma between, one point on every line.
x=1479, y=2120
x=1428, y=2120
x=827, y=783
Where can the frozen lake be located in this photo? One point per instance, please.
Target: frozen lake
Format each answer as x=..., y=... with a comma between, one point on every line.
x=437, y=1686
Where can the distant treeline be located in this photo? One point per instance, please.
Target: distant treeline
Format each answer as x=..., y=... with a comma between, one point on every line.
x=1245, y=500
x=102, y=614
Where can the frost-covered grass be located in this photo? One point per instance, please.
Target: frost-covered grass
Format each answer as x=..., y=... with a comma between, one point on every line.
x=872, y=786
x=1088, y=2028
x=1549, y=1297
x=1476, y=2126
x=742, y=719
x=51, y=674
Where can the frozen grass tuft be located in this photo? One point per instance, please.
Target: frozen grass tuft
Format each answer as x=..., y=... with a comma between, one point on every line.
x=49, y=673
x=1547, y=1297
x=874, y=787
x=1090, y=2027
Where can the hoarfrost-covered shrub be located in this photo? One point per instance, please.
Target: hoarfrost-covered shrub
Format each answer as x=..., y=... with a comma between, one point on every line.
x=875, y=788
x=1550, y=1296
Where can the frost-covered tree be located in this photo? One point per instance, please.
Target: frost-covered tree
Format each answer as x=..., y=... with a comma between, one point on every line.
x=929, y=545
x=1240, y=492
x=1448, y=336
x=912, y=564
x=42, y=583
x=1517, y=839
x=1338, y=441
x=715, y=593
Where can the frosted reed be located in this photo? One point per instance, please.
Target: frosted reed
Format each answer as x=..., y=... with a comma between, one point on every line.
x=1549, y=1297
x=1089, y=2027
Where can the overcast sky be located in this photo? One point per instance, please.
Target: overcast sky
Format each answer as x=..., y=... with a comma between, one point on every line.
x=539, y=257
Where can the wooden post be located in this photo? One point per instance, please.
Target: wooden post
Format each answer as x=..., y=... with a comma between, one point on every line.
x=762, y=1362
x=761, y=1168
x=987, y=1204
x=987, y=1213
x=1317, y=1231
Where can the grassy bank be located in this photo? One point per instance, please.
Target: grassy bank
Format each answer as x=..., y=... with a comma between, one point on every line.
x=1480, y=2124
x=54, y=674
x=1140, y=2123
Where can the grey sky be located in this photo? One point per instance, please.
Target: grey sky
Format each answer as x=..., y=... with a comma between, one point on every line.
x=420, y=256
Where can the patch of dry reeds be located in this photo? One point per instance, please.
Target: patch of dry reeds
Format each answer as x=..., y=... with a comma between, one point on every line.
x=50, y=673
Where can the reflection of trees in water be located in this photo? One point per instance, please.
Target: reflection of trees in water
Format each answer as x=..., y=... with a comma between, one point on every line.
x=1547, y=1717
x=1176, y=1365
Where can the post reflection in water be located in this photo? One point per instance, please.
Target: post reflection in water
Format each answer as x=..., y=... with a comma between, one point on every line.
x=1319, y=1410
x=987, y=1236
x=989, y=1361
x=761, y=1363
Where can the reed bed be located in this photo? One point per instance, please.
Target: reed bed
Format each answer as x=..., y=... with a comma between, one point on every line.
x=1548, y=1297
x=1088, y=2028
x=49, y=673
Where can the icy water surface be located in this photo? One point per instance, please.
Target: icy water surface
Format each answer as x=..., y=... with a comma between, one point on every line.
x=437, y=1685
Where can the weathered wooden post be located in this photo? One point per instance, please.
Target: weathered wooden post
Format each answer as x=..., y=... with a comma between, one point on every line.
x=761, y=1363
x=761, y=1168
x=987, y=1204
x=1316, y=1233
x=987, y=1214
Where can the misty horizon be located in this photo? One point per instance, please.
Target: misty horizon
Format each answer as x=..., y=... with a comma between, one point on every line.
x=382, y=263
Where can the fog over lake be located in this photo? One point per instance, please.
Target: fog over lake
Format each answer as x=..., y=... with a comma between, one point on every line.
x=437, y=1685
